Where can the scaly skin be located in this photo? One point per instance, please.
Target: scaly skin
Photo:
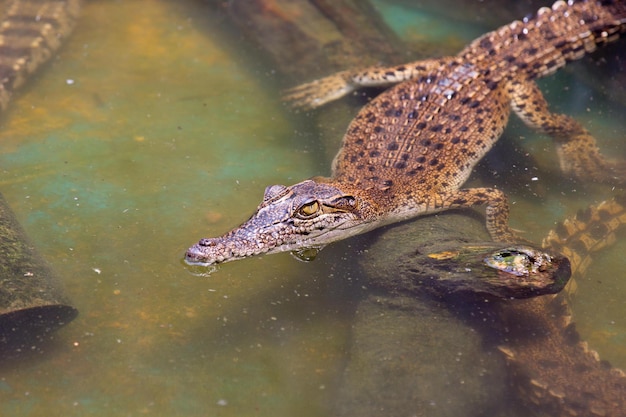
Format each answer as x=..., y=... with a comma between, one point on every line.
x=30, y=32
x=409, y=151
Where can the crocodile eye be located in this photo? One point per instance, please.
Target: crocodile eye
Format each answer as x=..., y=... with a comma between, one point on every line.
x=308, y=209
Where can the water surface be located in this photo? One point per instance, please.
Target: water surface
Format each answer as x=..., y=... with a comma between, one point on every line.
x=149, y=132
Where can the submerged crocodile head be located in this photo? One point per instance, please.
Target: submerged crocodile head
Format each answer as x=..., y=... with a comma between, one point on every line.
x=309, y=214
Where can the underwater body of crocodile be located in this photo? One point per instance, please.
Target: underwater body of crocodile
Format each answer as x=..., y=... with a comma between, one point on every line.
x=30, y=33
x=408, y=151
x=410, y=299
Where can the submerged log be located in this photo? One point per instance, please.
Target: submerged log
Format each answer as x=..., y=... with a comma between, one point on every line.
x=32, y=302
x=310, y=38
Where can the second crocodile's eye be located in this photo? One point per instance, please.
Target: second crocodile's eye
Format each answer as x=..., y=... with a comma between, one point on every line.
x=308, y=209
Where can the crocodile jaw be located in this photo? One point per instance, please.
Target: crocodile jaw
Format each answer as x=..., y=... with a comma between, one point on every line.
x=309, y=214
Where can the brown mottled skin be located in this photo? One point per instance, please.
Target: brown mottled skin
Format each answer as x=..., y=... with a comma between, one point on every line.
x=409, y=151
x=30, y=32
x=555, y=372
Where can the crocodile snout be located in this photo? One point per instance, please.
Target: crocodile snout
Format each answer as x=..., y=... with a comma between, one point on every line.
x=200, y=253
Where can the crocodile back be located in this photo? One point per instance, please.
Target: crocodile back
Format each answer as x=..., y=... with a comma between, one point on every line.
x=424, y=136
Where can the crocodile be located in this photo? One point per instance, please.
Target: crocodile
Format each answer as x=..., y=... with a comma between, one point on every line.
x=555, y=371
x=411, y=279
x=409, y=150
x=30, y=33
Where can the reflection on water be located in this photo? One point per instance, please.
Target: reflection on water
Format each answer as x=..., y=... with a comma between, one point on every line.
x=148, y=133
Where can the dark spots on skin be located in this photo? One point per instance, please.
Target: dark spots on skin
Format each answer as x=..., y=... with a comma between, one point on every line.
x=425, y=142
x=441, y=167
x=599, y=231
x=393, y=113
x=455, y=140
x=474, y=104
x=392, y=146
x=374, y=154
x=433, y=162
x=385, y=104
x=388, y=183
x=464, y=128
x=412, y=114
x=405, y=156
x=436, y=128
x=551, y=64
x=485, y=43
x=464, y=100
x=420, y=126
x=454, y=117
x=578, y=246
x=378, y=129
x=509, y=58
x=459, y=201
x=439, y=146
x=400, y=165
x=531, y=51
x=421, y=159
x=585, y=215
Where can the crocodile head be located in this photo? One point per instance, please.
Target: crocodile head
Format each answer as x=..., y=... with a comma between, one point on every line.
x=309, y=214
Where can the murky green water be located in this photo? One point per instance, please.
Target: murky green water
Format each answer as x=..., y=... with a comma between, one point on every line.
x=148, y=133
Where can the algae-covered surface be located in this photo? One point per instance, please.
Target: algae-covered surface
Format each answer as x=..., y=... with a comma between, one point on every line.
x=148, y=132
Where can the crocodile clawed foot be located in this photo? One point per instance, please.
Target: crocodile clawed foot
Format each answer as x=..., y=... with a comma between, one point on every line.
x=581, y=158
x=319, y=92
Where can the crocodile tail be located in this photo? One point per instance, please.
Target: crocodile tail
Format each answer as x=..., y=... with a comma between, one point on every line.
x=541, y=44
x=30, y=32
x=551, y=367
x=588, y=232
x=617, y=8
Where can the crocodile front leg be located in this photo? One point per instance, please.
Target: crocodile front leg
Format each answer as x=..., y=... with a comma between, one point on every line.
x=496, y=212
x=577, y=149
x=333, y=87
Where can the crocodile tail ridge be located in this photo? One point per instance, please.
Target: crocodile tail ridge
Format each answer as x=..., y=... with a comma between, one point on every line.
x=30, y=32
